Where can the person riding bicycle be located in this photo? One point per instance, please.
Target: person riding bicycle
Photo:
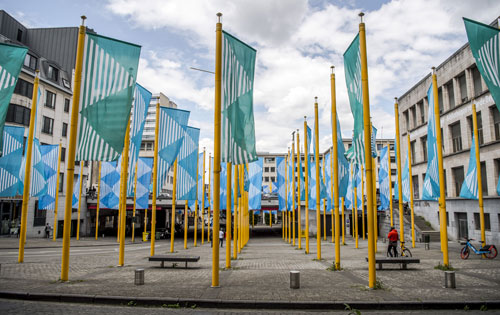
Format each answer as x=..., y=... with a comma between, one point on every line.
x=393, y=242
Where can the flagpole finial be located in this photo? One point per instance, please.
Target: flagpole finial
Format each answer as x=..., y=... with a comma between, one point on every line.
x=433, y=70
x=396, y=99
x=361, y=14
x=333, y=69
x=305, y=118
x=218, y=16
x=315, y=99
x=83, y=17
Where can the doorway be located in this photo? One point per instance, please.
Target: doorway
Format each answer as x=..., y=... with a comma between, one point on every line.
x=462, y=225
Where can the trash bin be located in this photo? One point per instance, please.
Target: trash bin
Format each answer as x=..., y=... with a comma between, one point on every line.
x=139, y=277
x=145, y=236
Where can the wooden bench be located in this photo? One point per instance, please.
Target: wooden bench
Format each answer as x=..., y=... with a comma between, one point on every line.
x=403, y=261
x=173, y=259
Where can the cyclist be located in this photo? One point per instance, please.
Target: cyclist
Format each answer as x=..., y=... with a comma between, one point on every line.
x=393, y=242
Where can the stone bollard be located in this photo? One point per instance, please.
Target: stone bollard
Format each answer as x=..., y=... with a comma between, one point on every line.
x=294, y=279
x=139, y=277
x=449, y=279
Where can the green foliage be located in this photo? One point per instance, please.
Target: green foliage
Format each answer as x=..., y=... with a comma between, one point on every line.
x=351, y=310
x=444, y=267
x=466, y=308
x=379, y=285
x=483, y=308
x=131, y=303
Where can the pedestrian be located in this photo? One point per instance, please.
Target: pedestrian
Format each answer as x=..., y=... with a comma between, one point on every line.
x=221, y=238
x=393, y=242
x=47, y=230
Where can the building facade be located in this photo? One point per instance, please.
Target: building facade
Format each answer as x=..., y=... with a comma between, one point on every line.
x=459, y=86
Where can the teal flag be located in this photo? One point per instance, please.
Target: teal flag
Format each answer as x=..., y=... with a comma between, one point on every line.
x=484, y=44
x=343, y=163
x=470, y=185
x=431, y=180
x=187, y=164
x=11, y=61
x=108, y=82
x=238, y=127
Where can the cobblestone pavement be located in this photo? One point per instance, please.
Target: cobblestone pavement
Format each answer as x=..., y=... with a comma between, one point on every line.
x=8, y=307
x=260, y=273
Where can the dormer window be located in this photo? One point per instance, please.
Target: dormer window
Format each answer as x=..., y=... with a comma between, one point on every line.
x=53, y=73
x=30, y=62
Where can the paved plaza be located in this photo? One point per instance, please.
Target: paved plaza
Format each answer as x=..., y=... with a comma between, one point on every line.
x=260, y=274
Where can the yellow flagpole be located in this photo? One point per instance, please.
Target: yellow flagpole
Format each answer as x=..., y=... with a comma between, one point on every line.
x=316, y=155
x=288, y=220
x=27, y=169
x=56, y=202
x=335, y=177
x=240, y=206
x=479, y=175
x=375, y=215
x=135, y=201
x=270, y=219
x=299, y=197
x=209, y=189
x=368, y=149
x=390, y=182
x=343, y=223
x=196, y=201
x=123, y=193
x=172, y=217
x=235, y=219
x=185, y=224
x=355, y=213
x=155, y=179
x=294, y=191
x=411, y=195
x=363, y=203
x=98, y=202
x=229, y=168
x=398, y=161
x=324, y=203
x=79, y=202
x=70, y=168
x=306, y=182
x=217, y=156
x=331, y=187
x=145, y=223
x=203, y=200
x=442, y=193
x=283, y=212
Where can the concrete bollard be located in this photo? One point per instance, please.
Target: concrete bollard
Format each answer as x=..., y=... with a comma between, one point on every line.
x=294, y=279
x=139, y=277
x=449, y=279
x=426, y=246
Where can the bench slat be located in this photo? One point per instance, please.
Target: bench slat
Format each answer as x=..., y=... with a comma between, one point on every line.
x=174, y=258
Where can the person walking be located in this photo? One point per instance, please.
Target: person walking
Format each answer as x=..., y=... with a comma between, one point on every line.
x=221, y=238
x=393, y=242
x=47, y=231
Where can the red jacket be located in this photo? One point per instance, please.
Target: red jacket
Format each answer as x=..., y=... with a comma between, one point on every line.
x=393, y=235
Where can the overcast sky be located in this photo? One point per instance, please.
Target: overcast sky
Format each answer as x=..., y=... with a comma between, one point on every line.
x=296, y=41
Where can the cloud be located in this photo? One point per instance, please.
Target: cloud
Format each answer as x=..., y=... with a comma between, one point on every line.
x=296, y=44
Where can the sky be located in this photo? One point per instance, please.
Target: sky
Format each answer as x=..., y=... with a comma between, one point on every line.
x=297, y=41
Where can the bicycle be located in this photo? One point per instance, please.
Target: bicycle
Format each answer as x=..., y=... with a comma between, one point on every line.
x=489, y=251
x=405, y=252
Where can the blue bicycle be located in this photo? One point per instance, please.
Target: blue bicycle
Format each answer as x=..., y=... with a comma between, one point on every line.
x=489, y=251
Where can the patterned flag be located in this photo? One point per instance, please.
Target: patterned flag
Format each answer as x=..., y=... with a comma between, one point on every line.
x=470, y=185
x=405, y=182
x=374, y=142
x=255, y=177
x=312, y=185
x=108, y=82
x=273, y=187
x=110, y=185
x=431, y=180
x=484, y=44
x=238, y=127
x=223, y=186
x=343, y=163
x=187, y=164
x=50, y=153
x=11, y=161
x=265, y=189
x=142, y=98
x=383, y=180
x=76, y=190
x=38, y=184
x=349, y=197
x=327, y=170
x=357, y=185
x=11, y=61
x=290, y=183
x=144, y=170
x=172, y=128
x=281, y=167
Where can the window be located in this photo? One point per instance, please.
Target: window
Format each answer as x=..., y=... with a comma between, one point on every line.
x=18, y=114
x=53, y=73
x=47, y=125
x=66, y=105
x=458, y=178
x=380, y=146
x=61, y=179
x=266, y=179
x=393, y=172
x=269, y=160
x=143, y=146
x=272, y=169
x=24, y=88
x=413, y=110
x=391, y=147
x=19, y=35
x=462, y=83
x=476, y=78
x=477, y=221
x=456, y=137
x=451, y=94
x=30, y=62
x=40, y=216
x=440, y=99
x=393, y=159
x=445, y=184
x=273, y=179
x=423, y=141
x=50, y=100
x=496, y=121
x=64, y=132
x=407, y=120
x=479, y=127
x=63, y=154
x=412, y=147
x=422, y=111
x=484, y=179
x=266, y=169
x=415, y=187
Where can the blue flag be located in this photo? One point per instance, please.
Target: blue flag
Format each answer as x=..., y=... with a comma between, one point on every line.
x=431, y=180
x=255, y=180
x=343, y=163
x=349, y=197
x=110, y=185
x=11, y=161
x=50, y=153
x=280, y=162
x=144, y=170
x=187, y=164
x=383, y=180
x=470, y=185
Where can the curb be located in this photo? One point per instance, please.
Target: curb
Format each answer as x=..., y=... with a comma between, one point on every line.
x=249, y=304
x=72, y=246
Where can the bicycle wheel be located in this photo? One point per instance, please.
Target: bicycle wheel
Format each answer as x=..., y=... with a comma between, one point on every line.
x=406, y=253
x=464, y=253
x=493, y=252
